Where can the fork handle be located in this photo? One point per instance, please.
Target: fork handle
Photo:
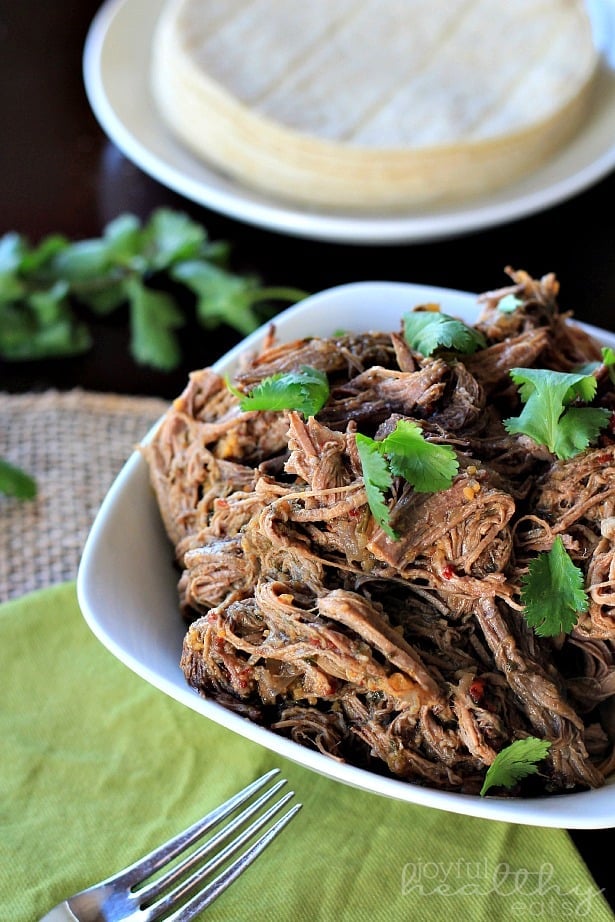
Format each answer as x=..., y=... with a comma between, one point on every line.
x=60, y=913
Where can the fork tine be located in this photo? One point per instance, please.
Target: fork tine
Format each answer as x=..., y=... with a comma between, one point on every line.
x=149, y=892
x=159, y=857
x=215, y=887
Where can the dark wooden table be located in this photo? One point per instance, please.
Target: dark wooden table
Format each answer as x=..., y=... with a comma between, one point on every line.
x=58, y=172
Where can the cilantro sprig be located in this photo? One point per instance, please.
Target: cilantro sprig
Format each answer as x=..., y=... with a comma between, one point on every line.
x=547, y=416
x=426, y=331
x=514, y=762
x=306, y=391
x=162, y=270
x=406, y=453
x=553, y=592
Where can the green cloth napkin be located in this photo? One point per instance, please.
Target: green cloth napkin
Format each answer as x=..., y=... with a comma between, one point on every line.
x=98, y=767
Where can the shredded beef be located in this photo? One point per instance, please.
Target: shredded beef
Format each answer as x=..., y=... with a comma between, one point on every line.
x=410, y=657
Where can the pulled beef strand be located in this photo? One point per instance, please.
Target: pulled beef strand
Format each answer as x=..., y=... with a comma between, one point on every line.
x=408, y=657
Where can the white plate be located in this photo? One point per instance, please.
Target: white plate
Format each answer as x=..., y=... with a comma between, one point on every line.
x=116, y=64
x=127, y=583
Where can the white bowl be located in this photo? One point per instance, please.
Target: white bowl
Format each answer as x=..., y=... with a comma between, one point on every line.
x=127, y=584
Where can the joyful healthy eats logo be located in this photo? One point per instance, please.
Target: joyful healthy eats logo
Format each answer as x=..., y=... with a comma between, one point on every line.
x=528, y=893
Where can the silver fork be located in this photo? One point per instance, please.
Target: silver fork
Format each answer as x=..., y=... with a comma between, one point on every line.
x=136, y=894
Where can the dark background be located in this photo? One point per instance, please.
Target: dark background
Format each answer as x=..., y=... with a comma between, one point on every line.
x=58, y=172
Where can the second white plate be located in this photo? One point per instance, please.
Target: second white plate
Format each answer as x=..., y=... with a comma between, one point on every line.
x=116, y=65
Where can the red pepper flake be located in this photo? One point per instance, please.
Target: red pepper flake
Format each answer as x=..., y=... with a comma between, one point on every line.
x=477, y=690
x=354, y=513
x=322, y=643
x=222, y=503
x=242, y=681
x=448, y=572
x=604, y=458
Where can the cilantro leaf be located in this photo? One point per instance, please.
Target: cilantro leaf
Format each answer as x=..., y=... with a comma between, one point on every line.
x=84, y=262
x=578, y=427
x=561, y=386
x=171, y=237
x=514, y=762
x=545, y=416
x=306, y=391
x=15, y=482
x=223, y=297
x=154, y=317
x=426, y=331
x=43, y=327
x=405, y=453
x=553, y=592
x=377, y=478
x=17, y=256
x=123, y=241
x=608, y=360
x=427, y=466
x=12, y=250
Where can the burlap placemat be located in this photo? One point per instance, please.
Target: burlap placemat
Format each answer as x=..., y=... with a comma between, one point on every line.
x=73, y=444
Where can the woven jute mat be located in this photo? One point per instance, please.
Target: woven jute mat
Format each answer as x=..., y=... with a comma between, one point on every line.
x=74, y=444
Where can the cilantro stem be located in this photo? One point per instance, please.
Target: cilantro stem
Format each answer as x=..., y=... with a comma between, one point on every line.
x=281, y=293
